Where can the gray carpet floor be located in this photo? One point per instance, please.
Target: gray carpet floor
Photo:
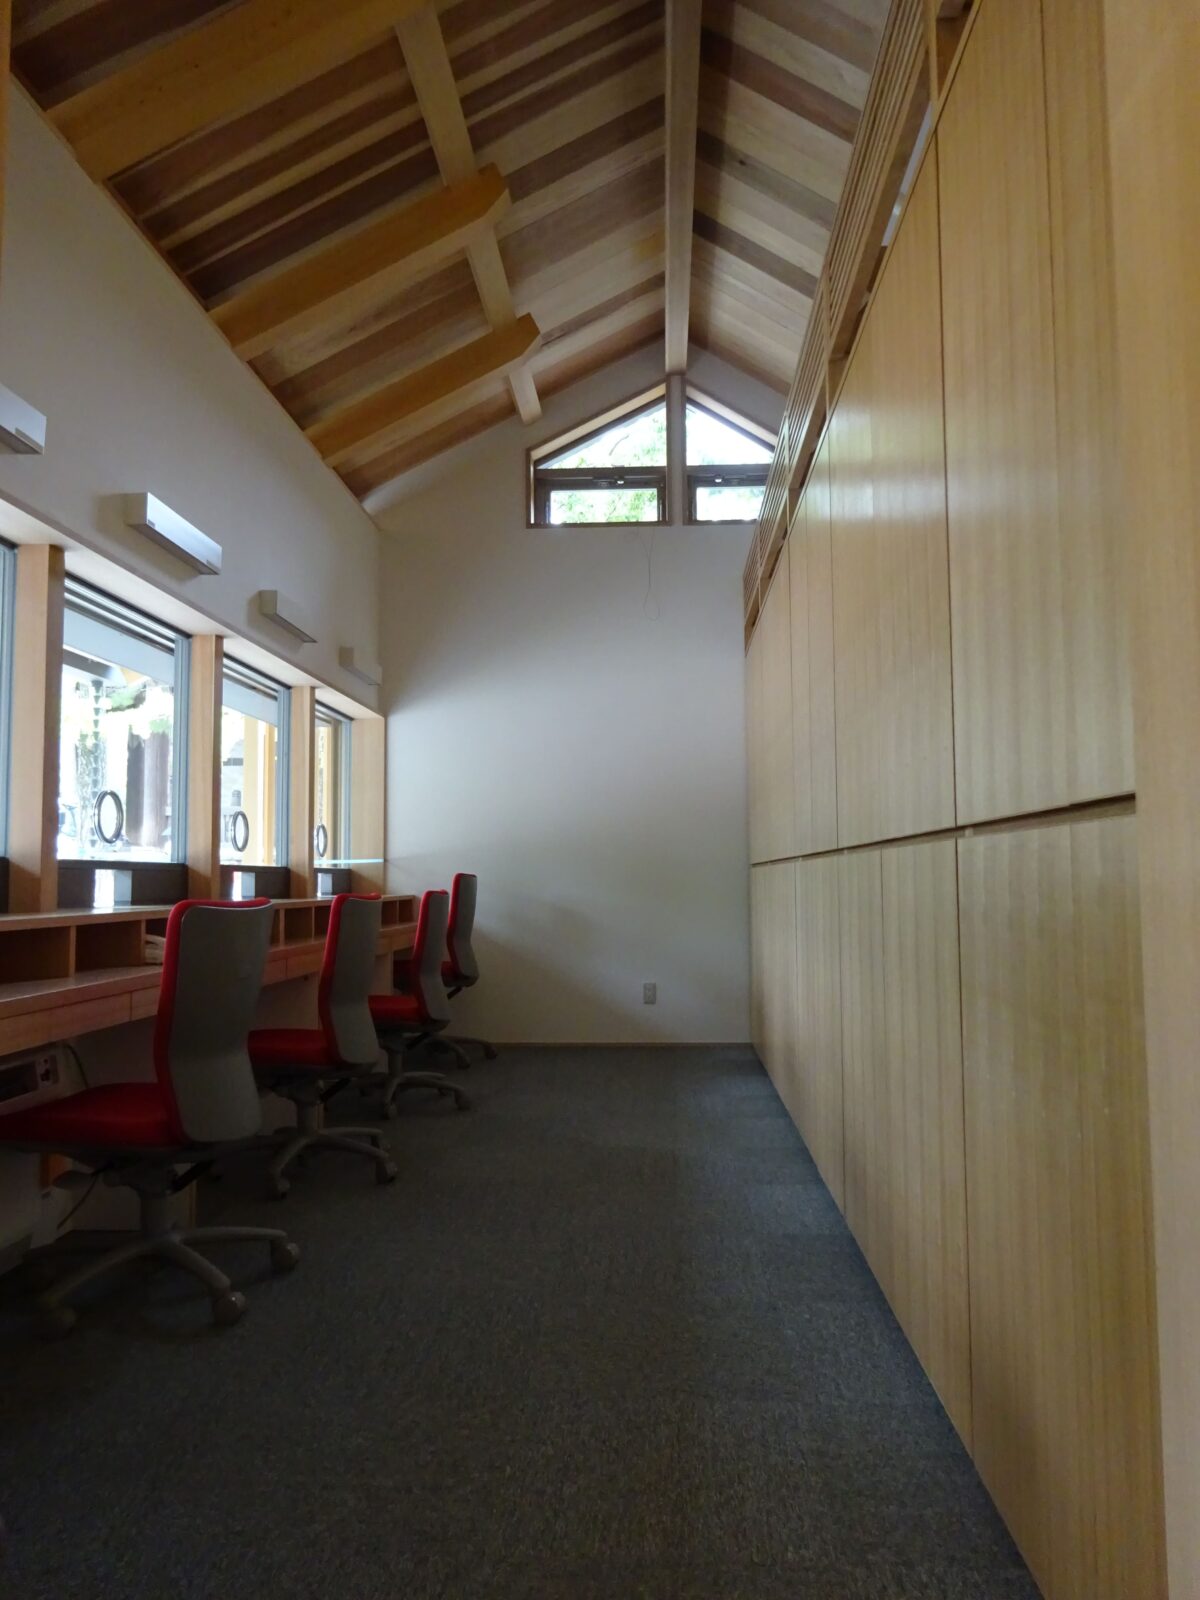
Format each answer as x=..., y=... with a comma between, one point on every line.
x=606, y=1338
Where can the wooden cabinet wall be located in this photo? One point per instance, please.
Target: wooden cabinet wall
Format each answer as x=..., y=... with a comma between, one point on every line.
x=947, y=987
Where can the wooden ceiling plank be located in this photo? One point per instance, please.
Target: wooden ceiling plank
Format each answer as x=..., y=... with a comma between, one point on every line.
x=683, y=94
x=757, y=127
x=408, y=245
x=379, y=416
x=720, y=196
x=774, y=82
x=251, y=54
x=424, y=48
x=764, y=37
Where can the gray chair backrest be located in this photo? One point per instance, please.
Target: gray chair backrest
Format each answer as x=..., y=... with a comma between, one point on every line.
x=212, y=973
x=343, y=1001
x=429, y=953
x=463, y=892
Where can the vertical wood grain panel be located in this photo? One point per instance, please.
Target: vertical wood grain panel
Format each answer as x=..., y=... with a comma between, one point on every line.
x=1155, y=133
x=754, y=773
x=1061, y=1276
x=758, y=959
x=368, y=802
x=301, y=776
x=819, y=1018
x=864, y=1076
x=36, y=708
x=779, y=967
x=922, y=1149
x=822, y=726
x=778, y=761
x=1099, y=754
x=856, y=589
x=801, y=693
x=205, y=697
x=1012, y=586
x=914, y=713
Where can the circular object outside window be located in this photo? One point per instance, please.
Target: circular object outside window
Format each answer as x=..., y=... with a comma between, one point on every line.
x=113, y=812
x=239, y=831
x=321, y=839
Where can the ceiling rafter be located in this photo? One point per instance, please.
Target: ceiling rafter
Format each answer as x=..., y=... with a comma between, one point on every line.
x=406, y=245
x=683, y=95
x=383, y=417
x=432, y=76
x=242, y=58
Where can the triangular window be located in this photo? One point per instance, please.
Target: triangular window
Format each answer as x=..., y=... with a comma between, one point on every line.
x=612, y=470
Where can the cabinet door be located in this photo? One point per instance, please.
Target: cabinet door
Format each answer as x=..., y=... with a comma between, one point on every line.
x=778, y=761
x=819, y=583
x=864, y=1076
x=819, y=1018
x=1065, y=1404
x=1041, y=715
x=801, y=695
x=921, y=1168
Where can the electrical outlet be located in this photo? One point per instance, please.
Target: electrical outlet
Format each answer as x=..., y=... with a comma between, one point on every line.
x=649, y=994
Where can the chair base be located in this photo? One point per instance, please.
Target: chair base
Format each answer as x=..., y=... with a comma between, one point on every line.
x=399, y=1078
x=457, y=1047
x=308, y=1136
x=164, y=1242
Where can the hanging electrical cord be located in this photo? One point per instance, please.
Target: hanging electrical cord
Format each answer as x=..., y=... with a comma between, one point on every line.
x=84, y=1197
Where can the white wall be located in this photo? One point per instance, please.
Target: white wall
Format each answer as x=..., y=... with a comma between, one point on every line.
x=565, y=719
x=142, y=392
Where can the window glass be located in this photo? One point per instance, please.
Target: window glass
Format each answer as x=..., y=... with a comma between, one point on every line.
x=604, y=505
x=728, y=502
x=253, y=767
x=122, y=733
x=638, y=440
x=331, y=788
x=714, y=442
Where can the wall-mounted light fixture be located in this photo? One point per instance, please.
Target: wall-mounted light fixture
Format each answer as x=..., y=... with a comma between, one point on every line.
x=360, y=665
x=167, y=528
x=287, y=613
x=22, y=427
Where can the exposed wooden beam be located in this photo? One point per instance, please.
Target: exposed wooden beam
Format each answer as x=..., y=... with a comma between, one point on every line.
x=377, y=417
x=683, y=95
x=399, y=249
x=432, y=76
x=243, y=58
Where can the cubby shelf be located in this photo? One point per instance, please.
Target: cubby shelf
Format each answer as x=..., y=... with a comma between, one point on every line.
x=64, y=973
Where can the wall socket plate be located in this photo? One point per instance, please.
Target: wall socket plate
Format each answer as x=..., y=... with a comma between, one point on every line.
x=649, y=994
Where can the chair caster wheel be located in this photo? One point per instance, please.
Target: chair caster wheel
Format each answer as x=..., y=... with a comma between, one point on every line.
x=490, y=1052
x=389, y=1111
x=228, y=1308
x=388, y=1173
x=278, y=1188
x=57, y=1323
x=284, y=1255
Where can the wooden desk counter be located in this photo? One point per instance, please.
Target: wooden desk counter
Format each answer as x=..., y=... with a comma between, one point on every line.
x=64, y=973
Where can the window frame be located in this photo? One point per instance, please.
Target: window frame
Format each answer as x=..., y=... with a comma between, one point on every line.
x=345, y=726
x=543, y=481
x=108, y=610
x=252, y=678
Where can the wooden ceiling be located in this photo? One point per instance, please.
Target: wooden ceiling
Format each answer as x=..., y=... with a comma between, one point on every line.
x=316, y=171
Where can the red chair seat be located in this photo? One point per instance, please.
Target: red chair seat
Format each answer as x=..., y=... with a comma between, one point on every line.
x=289, y=1047
x=110, y=1116
x=397, y=1011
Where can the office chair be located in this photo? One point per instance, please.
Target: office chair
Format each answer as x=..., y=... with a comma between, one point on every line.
x=309, y=1065
x=203, y=1098
x=421, y=1010
x=460, y=970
